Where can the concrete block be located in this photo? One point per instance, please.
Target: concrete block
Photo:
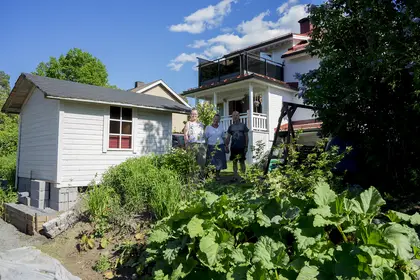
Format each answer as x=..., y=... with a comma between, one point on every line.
x=43, y=195
x=59, y=195
x=23, y=198
x=40, y=190
x=59, y=224
x=62, y=206
x=41, y=204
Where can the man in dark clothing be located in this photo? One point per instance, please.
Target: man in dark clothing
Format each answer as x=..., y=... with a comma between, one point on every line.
x=239, y=147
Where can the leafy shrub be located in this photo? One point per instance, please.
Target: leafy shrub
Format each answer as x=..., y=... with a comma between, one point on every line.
x=181, y=161
x=302, y=173
x=8, y=195
x=141, y=185
x=8, y=168
x=311, y=235
x=103, y=264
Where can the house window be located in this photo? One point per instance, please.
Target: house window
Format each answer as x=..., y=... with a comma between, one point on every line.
x=120, y=128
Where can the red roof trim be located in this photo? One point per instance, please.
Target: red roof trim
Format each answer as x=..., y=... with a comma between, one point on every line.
x=298, y=48
x=303, y=124
x=237, y=79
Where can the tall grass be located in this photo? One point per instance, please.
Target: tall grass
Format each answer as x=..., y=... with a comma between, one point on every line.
x=141, y=185
x=100, y=201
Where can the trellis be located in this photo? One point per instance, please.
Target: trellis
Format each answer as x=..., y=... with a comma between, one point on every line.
x=288, y=109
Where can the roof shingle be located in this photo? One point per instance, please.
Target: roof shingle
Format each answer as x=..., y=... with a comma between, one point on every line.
x=72, y=90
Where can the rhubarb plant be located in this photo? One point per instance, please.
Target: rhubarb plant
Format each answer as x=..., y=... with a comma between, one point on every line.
x=314, y=235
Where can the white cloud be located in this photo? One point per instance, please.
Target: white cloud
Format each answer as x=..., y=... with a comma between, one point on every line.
x=247, y=33
x=226, y=29
x=194, y=27
x=285, y=6
x=215, y=51
x=177, y=63
x=205, y=18
x=198, y=44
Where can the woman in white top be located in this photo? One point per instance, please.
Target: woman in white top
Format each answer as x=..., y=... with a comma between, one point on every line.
x=216, y=154
x=194, y=138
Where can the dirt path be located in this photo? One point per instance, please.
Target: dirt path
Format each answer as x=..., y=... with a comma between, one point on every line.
x=11, y=238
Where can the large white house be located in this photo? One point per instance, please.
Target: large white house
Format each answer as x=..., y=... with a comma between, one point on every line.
x=70, y=133
x=256, y=81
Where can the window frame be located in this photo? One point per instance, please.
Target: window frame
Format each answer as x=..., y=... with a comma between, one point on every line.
x=121, y=134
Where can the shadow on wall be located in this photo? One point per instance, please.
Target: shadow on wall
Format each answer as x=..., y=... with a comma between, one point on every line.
x=157, y=138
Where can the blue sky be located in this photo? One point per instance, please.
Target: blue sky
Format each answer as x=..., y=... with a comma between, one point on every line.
x=139, y=40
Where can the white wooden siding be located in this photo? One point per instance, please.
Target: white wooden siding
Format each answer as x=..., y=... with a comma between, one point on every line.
x=82, y=139
x=275, y=104
x=39, y=138
x=299, y=65
x=258, y=136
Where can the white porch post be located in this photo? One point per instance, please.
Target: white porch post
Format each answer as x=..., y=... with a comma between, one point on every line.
x=225, y=108
x=215, y=100
x=251, y=124
x=251, y=107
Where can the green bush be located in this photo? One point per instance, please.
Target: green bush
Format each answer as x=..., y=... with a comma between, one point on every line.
x=7, y=196
x=301, y=173
x=141, y=185
x=102, y=265
x=181, y=161
x=8, y=169
x=318, y=234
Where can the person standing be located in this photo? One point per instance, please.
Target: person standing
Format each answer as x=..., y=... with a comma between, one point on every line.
x=216, y=152
x=239, y=147
x=194, y=138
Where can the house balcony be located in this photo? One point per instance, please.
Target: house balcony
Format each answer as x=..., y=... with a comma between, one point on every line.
x=259, y=121
x=240, y=64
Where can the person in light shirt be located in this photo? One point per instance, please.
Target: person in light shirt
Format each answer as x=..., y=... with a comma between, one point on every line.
x=194, y=139
x=216, y=152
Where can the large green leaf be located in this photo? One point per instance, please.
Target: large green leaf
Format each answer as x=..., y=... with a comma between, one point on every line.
x=195, y=227
x=368, y=203
x=398, y=237
x=308, y=273
x=398, y=217
x=210, y=248
x=237, y=273
x=320, y=221
x=159, y=235
x=262, y=219
x=269, y=253
x=323, y=194
x=323, y=211
x=171, y=251
x=159, y=275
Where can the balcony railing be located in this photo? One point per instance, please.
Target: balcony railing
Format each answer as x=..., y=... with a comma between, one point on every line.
x=259, y=121
x=244, y=63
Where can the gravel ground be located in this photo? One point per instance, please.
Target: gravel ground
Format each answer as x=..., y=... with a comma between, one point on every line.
x=11, y=238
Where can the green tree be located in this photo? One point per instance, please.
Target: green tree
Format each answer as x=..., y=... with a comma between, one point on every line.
x=206, y=112
x=367, y=86
x=8, y=122
x=77, y=66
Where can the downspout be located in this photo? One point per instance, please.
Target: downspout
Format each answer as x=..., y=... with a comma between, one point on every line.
x=18, y=154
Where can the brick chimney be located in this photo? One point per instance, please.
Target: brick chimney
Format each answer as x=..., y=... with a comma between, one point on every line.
x=305, y=25
x=138, y=84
